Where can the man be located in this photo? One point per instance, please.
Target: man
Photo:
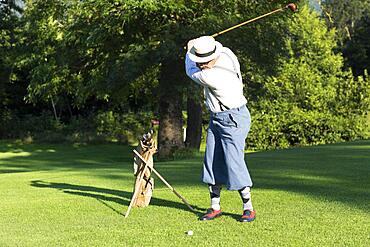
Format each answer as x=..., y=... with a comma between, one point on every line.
x=217, y=69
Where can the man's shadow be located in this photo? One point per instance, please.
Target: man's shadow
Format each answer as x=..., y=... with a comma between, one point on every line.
x=104, y=195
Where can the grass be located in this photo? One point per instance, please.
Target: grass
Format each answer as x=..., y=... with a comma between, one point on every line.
x=70, y=195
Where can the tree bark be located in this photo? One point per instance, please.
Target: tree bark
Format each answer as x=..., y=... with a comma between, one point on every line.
x=170, y=109
x=194, y=122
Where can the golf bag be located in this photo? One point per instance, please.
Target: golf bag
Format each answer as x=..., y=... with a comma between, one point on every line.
x=146, y=149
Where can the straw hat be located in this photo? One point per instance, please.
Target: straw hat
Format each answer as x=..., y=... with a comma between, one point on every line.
x=204, y=49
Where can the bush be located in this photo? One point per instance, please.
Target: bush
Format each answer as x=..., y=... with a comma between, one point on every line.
x=6, y=118
x=15, y=126
x=311, y=99
x=281, y=129
x=102, y=127
x=126, y=128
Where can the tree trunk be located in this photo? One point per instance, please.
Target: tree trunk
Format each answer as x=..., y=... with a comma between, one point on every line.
x=4, y=97
x=170, y=109
x=194, y=122
x=4, y=80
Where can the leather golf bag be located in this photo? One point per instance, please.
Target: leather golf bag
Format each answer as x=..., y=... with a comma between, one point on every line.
x=146, y=149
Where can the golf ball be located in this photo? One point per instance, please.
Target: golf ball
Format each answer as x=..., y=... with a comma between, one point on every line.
x=190, y=233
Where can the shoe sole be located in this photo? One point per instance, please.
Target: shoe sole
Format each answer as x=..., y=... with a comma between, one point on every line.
x=247, y=220
x=205, y=219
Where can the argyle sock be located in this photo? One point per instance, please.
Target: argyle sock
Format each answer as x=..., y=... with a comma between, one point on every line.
x=215, y=193
x=245, y=194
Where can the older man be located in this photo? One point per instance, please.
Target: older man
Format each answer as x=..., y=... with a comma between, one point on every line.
x=217, y=69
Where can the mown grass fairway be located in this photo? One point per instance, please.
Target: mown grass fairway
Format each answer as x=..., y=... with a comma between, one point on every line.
x=65, y=195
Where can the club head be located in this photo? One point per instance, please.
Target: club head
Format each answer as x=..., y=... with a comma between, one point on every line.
x=292, y=7
x=147, y=139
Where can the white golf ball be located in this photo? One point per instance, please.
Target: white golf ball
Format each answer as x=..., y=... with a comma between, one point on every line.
x=190, y=233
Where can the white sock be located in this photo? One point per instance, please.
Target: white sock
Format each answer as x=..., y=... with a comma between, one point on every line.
x=245, y=194
x=215, y=193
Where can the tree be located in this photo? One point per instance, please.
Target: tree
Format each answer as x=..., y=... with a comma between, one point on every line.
x=128, y=55
x=311, y=99
x=344, y=15
x=194, y=119
x=8, y=23
x=351, y=20
x=101, y=49
x=9, y=19
x=357, y=50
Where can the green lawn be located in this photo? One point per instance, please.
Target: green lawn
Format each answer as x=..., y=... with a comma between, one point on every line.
x=65, y=195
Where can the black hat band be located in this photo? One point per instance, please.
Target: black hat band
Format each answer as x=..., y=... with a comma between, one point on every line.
x=205, y=54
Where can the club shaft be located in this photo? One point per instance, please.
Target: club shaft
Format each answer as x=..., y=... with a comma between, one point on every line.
x=137, y=185
x=171, y=188
x=249, y=21
x=165, y=182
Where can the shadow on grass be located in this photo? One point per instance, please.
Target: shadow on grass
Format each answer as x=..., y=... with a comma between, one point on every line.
x=12, y=170
x=44, y=157
x=104, y=195
x=338, y=172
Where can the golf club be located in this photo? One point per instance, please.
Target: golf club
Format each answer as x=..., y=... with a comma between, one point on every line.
x=136, y=192
x=291, y=6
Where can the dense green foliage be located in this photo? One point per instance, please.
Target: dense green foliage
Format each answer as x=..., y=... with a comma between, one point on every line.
x=87, y=70
x=357, y=50
x=312, y=99
x=345, y=16
x=351, y=21
x=8, y=23
x=104, y=126
x=76, y=195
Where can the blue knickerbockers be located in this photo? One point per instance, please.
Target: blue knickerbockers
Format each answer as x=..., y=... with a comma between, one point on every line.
x=224, y=157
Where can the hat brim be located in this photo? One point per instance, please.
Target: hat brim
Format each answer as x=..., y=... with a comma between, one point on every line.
x=197, y=59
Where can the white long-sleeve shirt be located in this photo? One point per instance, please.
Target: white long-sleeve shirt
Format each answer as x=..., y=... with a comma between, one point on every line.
x=221, y=83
